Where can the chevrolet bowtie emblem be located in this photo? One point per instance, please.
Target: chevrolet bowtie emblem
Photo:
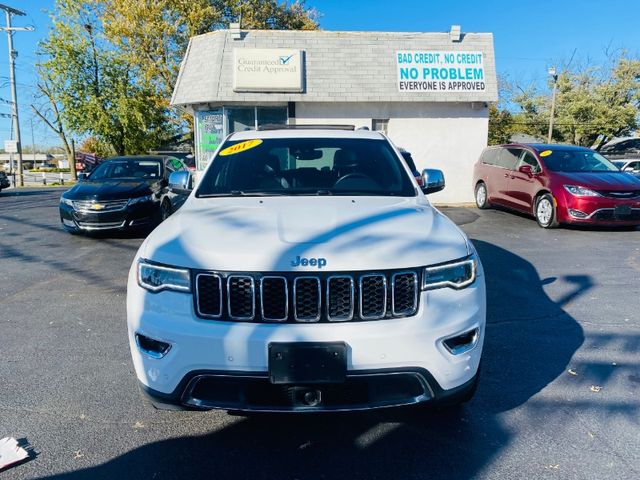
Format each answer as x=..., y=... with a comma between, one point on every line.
x=97, y=206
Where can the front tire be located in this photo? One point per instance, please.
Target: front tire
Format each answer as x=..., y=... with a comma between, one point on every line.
x=165, y=210
x=545, y=211
x=482, y=196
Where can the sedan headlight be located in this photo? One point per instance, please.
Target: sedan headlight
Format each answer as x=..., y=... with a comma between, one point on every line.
x=579, y=191
x=146, y=198
x=458, y=274
x=66, y=201
x=156, y=278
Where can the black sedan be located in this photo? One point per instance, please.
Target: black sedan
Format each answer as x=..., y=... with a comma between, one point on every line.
x=4, y=181
x=122, y=193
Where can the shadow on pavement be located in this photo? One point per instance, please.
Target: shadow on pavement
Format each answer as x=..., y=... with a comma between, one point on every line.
x=530, y=340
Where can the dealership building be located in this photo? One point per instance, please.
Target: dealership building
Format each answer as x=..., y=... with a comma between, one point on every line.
x=428, y=91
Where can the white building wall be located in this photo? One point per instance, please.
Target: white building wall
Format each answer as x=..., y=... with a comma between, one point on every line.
x=448, y=136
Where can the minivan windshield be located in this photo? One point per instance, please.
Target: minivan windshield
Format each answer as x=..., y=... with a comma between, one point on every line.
x=576, y=161
x=306, y=166
x=115, y=169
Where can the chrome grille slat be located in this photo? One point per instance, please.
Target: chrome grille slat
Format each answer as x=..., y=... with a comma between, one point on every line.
x=274, y=298
x=404, y=293
x=209, y=294
x=307, y=299
x=107, y=205
x=100, y=225
x=241, y=297
x=340, y=291
x=373, y=296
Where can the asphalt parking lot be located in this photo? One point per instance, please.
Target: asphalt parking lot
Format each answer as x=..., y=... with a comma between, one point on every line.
x=559, y=395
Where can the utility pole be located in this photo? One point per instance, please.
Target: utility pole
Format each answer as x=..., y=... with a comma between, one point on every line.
x=554, y=75
x=9, y=11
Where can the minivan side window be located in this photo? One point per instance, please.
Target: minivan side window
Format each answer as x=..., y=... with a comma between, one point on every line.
x=490, y=156
x=508, y=158
x=528, y=158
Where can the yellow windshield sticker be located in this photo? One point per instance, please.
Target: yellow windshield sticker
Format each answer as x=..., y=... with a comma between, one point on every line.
x=240, y=147
x=546, y=153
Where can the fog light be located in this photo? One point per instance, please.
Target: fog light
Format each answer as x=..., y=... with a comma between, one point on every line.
x=462, y=343
x=577, y=213
x=68, y=223
x=151, y=347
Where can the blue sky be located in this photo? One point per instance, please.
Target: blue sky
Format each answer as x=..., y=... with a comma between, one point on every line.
x=529, y=35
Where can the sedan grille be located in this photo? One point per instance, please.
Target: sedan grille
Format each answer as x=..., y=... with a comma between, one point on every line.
x=98, y=206
x=303, y=298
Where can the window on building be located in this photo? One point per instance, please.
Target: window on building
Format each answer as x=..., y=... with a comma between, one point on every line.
x=380, y=125
x=239, y=119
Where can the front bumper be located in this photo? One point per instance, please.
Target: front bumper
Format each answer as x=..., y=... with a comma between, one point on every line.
x=238, y=352
x=599, y=211
x=139, y=215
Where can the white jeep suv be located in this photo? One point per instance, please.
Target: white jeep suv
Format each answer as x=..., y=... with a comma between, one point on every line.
x=306, y=272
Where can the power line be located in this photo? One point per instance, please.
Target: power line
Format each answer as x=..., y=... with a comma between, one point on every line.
x=9, y=11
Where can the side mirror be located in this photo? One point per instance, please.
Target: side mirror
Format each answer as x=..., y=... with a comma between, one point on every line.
x=432, y=181
x=82, y=176
x=526, y=169
x=181, y=182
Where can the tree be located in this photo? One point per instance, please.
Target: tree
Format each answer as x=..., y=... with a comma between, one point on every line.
x=154, y=34
x=101, y=91
x=50, y=113
x=592, y=103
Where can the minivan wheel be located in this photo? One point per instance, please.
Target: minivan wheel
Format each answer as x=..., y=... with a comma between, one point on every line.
x=482, y=196
x=545, y=211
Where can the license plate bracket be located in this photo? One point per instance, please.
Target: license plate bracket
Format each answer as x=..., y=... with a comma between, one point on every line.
x=307, y=362
x=622, y=210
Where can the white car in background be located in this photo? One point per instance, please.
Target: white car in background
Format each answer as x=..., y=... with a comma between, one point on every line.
x=306, y=272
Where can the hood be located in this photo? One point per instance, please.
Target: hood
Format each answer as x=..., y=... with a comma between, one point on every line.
x=112, y=189
x=272, y=234
x=621, y=181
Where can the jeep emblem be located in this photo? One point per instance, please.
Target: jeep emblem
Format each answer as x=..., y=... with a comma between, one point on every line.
x=309, y=262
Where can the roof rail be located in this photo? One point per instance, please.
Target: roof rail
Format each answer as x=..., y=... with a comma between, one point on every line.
x=273, y=126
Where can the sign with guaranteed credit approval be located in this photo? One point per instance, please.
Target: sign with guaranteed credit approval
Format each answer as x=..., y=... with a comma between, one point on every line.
x=440, y=71
x=267, y=70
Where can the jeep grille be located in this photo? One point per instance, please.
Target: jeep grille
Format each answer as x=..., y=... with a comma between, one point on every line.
x=305, y=297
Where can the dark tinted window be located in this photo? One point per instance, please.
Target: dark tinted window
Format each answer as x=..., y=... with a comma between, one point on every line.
x=490, y=156
x=410, y=163
x=626, y=146
x=127, y=169
x=307, y=166
x=509, y=157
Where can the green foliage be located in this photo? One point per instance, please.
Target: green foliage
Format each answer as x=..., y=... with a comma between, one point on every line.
x=112, y=64
x=153, y=34
x=591, y=104
x=500, y=125
x=100, y=90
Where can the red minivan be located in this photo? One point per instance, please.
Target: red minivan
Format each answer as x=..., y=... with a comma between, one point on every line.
x=557, y=184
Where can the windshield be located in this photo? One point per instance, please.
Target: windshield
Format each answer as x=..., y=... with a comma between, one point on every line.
x=306, y=166
x=576, y=161
x=127, y=169
x=619, y=164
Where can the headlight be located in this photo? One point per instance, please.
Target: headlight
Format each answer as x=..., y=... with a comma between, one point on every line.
x=146, y=198
x=156, y=278
x=66, y=201
x=581, y=191
x=458, y=274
